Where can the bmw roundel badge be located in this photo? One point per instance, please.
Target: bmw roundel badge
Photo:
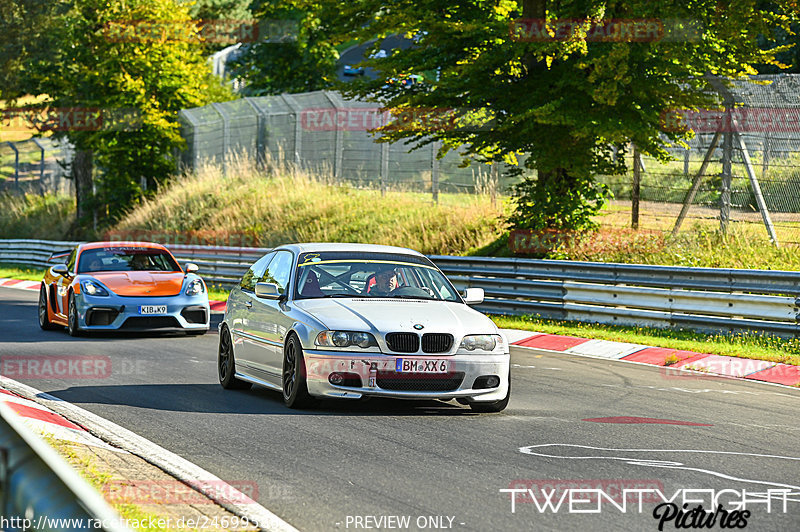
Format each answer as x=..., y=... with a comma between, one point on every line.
x=419, y=326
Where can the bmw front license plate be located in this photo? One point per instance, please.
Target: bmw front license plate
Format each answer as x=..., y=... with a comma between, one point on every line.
x=153, y=309
x=409, y=365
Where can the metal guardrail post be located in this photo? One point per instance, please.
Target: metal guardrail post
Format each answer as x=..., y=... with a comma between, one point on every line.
x=39, y=488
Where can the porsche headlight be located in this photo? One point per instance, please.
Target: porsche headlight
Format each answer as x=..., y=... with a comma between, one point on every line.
x=195, y=287
x=93, y=288
x=345, y=339
x=481, y=342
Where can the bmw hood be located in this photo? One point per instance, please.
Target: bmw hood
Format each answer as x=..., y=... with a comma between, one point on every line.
x=397, y=315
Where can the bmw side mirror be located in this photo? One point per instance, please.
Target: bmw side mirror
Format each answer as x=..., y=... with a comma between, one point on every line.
x=473, y=296
x=61, y=269
x=191, y=267
x=267, y=291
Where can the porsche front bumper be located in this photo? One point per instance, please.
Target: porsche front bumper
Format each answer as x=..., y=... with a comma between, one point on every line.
x=113, y=312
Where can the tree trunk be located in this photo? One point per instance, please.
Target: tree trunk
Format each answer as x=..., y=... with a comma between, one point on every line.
x=81, y=171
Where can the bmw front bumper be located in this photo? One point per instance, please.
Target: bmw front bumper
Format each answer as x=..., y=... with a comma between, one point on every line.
x=376, y=374
x=113, y=312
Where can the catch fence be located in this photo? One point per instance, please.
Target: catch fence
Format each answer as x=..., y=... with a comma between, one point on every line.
x=36, y=165
x=739, y=174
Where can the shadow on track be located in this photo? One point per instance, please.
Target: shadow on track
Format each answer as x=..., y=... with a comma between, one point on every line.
x=211, y=398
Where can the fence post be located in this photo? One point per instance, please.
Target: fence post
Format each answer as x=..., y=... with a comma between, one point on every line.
x=384, y=166
x=226, y=135
x=435, y=170
x=298, y=126
x=338, y=150
x=41, y=165
x=635, y=191
x=16, y=163
x=727, y=154
x=260, y=156
x=765, y=157
x=193, y=148
x=686, y=161
x=494, y=182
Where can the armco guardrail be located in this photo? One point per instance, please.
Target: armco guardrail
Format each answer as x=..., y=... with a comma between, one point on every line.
x=40, y=491
x=705, y=299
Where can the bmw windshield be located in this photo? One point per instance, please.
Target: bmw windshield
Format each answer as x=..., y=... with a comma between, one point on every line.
x=370, y=275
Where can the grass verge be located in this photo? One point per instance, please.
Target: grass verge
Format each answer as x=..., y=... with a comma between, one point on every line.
x=18, y=271
x=742, y=345
x=98, y=479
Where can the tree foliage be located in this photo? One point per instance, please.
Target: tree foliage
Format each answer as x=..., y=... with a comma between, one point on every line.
x=137, y=85
x=307, y=62
x=563, y=103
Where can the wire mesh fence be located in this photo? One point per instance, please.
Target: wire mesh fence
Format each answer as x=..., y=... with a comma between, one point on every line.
x=322, y=132
x=741, y=171
x=36, y=165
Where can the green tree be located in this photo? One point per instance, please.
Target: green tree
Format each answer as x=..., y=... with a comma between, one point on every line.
x=305, y=62
x=563, y=102
x=136, y=78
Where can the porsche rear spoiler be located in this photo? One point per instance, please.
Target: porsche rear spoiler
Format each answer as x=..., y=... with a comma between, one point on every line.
x=59, y=255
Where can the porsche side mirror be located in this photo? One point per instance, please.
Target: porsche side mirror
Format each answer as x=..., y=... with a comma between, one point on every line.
x=267, y=291
x=191, y=267
x=60, y=269
x=473, y=296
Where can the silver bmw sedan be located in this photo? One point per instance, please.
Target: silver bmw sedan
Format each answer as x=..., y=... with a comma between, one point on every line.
x=353, y=320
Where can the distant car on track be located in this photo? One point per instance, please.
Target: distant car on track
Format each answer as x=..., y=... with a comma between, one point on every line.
x=313, y=321
x=351, y=70
x=128, y=286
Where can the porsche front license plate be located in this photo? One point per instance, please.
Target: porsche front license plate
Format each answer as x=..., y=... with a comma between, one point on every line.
x=406, y=365
x=153, y=309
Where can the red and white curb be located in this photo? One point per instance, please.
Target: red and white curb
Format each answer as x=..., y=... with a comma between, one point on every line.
x=718, y=365
x=112, y=434
x=48, y=423
x=16, y=283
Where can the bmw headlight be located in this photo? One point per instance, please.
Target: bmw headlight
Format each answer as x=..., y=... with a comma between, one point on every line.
x=195, y=287
x=345, y=339
x=93, y=288
x=481, y=342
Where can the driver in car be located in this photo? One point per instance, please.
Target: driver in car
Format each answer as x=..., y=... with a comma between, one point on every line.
x=385, y=283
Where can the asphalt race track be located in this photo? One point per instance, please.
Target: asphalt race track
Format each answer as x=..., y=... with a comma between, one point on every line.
x=350, y=466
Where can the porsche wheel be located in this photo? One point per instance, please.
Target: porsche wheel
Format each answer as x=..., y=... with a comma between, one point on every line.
x=226, y=364
x=44, y=319
x=295, y=391
x=72, y=317
x=493, y=406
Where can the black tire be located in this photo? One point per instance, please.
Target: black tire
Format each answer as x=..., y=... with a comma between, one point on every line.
x=226, y=364
x=494, y=406
x=44, y=321
x=295, y=390
x=72, y=317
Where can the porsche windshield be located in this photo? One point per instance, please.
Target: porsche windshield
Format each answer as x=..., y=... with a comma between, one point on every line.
x=371, y=275
x=126, y=259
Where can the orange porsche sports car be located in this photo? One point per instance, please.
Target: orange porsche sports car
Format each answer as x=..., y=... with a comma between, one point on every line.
x=105, y=286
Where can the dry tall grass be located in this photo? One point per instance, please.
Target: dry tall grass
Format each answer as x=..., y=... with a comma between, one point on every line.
x=293, y=206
